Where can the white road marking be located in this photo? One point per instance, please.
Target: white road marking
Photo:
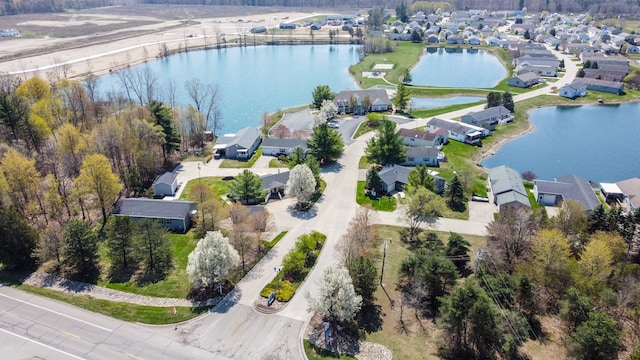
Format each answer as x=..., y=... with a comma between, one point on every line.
x=57, y=313
x=41, y=344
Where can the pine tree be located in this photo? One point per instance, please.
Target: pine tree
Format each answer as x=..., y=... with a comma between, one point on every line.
x=507, y=101
x=325, y=143
x=455, y=194
x=386, y=147
x=246, y=187
x=373, y=183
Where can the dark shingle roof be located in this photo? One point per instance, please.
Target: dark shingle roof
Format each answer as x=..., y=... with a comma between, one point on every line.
x=424, y=151
x=275, y=180
x=166, y=178
x=570, y=187
x=152, y=208
x=395, y=173
x=490, y=112
x=285, y=143
x=417, y=134
x=453, y=126
x=507, y=186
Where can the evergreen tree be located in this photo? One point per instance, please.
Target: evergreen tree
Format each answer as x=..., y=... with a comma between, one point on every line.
x=119, y=242
x=597, y=220
x=527, y=35
x=17, y=241
x=373, y=183
x=406, y=77
x=163, y=117
x=364, y=275
x=314, y=165
x=507, y=101
x=402, y=99
x=80, y=247
x=455, y=194
x=415, y=38
x=401, y=12
x=246, y=187
x=325, y=143
x=153, y=240
x=458, y=247
x=386, y=147
x=598, y=338
x=296, y=157
x=494, y=99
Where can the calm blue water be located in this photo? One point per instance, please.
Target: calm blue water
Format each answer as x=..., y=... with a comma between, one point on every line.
x=255, y=80
x=460, y=68
x=595, y=142
x=426, y=103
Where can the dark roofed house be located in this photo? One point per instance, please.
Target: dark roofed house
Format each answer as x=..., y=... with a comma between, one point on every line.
x=275, y=147
x=612, y=87
x=488, y=118
x=353, y=101
x=174, y=215
x=459, y=131
x=524, y=80
x=274, y=185
x=573, y=90
x=166, y=184
x=507, y=187
x=631, y=190
x=395, y=177
x=239, y=146
x=569, y=187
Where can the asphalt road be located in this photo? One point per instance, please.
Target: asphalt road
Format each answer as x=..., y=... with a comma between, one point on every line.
x=36, y=327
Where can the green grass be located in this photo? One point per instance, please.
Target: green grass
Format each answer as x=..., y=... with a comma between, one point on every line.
x=275, y=163
x=414, y=344
x=237, y=164
x=383, y=204
x=363, y=163
x=237, y=274
x=425, y=113
x=273, y=285
x=368, y=126
x=216, y=184
x=404, y=55
x=119, y=310
x=321, y=353
x=176, y=284
x=528, y=185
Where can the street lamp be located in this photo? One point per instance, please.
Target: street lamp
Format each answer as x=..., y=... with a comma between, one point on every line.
x=199, y=167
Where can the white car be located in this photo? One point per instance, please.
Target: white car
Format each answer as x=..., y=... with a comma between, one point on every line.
x=334, y=125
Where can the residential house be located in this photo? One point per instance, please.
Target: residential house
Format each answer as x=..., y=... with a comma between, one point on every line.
x=9, y=33
x=488, y=118
x=459, y=131
x=174, y=215
x=411, y=137
x=289, y=26
x=492, y=41
x=258, y=30
x=421, y=156
x=612, y=87
x=524, y=80
x=569, y=187
x=473, y=40
x=455, y=40
x=395, y=177
x=360, y=102
x=274, y=185
x=631, y=190
x=166, y=184
x=633, y=49
x=239, y=146
x=538, y=68
x=276, y=147
x=573, y=90
x=432, y=39
x=507, y=187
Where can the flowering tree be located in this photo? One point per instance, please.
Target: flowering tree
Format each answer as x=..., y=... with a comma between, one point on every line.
x=211, y=260
x=336, y=297
x=301, y=184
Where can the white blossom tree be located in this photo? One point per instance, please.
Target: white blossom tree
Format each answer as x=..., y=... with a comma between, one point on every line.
x=336, y=296
x=301, y=184
x=211, y=260
x=328, y=111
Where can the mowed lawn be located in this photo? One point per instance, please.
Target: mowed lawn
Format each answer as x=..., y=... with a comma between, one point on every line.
x=418, y=337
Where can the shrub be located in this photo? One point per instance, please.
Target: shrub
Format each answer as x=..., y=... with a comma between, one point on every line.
x=284, y=290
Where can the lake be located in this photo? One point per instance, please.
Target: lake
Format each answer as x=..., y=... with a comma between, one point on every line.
x=254, y=80
x=458, y=68
x=595, y=142
x=434, y=103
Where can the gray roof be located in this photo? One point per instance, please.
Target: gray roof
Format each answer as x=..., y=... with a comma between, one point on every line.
x=245, y=138
x=452, y=125
x=417, y=134
x=603, y=83
x=485, y=114
x=424, y=151
x=285, y=143
x=506, y=185
x=570, y=187
x=631, y=188
x=529, y=75
x=395, y=173
x=376, y=96
x=167, y=178
x=275, y=180
x=152, y=208
x=576, y=85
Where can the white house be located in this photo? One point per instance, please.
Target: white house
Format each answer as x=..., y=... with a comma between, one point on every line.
x=275, y=147
x=166, y=184
x=421, y=156
x=411, y=137
x=573, y=90
x=459, y=131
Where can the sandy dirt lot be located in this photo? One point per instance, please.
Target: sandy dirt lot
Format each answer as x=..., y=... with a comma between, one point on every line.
x=98, y=40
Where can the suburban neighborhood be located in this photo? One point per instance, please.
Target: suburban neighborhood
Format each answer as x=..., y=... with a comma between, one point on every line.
x=357, y=225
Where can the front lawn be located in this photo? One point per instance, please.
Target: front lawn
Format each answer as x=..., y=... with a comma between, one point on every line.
x=368, y=126
x=217, y=185
x=237, y=164
x=404, y=55
x=383, y=203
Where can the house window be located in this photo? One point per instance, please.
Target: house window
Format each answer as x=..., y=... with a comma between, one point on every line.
x=410, y=159
x=413, y=139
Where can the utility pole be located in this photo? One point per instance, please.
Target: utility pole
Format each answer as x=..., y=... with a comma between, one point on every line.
x=384, y=256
